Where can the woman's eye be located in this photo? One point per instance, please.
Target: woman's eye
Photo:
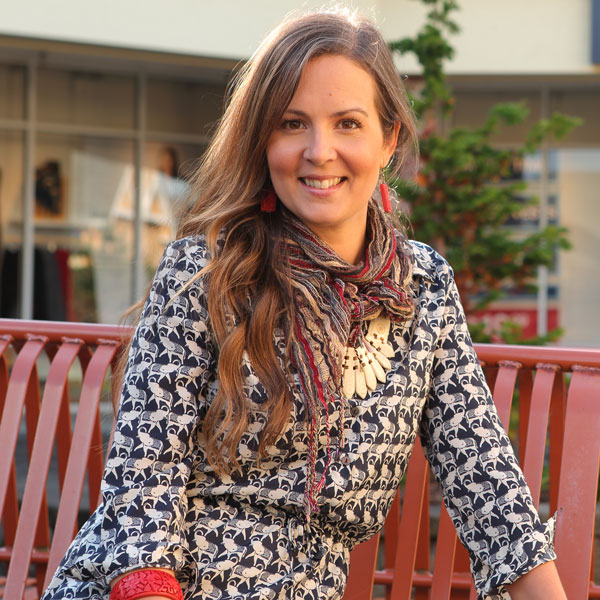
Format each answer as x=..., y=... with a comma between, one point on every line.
x=350, y=124
x=291, y=124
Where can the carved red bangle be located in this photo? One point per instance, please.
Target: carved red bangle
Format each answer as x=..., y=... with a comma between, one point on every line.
x=147, y=582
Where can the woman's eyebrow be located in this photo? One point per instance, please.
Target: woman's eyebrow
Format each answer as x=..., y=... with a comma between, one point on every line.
x=339, y=113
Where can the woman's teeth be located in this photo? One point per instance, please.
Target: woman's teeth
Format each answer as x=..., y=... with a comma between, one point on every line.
x=321, y=183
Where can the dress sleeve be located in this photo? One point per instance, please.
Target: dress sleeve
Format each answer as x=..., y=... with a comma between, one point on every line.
x=471, y=456
x=149, y=465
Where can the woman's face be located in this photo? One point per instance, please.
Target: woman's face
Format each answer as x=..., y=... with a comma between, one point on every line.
x=324, y=157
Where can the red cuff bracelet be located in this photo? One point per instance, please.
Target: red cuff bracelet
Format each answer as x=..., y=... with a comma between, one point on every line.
x=147, y=582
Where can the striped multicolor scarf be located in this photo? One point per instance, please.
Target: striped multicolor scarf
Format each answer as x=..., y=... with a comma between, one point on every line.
x=333, y=299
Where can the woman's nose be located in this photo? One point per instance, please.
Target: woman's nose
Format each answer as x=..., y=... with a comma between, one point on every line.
x=319, y=147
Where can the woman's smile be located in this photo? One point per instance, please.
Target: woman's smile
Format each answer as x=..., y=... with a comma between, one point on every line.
x=322, y=186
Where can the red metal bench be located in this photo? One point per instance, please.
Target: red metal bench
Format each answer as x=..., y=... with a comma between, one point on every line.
x=559, y=392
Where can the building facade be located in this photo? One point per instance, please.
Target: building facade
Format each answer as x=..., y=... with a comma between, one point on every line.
x=105, y=110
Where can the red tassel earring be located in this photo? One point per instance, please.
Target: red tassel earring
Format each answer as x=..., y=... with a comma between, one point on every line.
x=269, y=202
x=385, y=197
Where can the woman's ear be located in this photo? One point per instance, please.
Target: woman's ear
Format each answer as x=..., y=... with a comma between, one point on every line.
x=390, y=143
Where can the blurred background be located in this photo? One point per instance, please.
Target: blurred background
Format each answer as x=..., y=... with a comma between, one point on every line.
x=106, y=107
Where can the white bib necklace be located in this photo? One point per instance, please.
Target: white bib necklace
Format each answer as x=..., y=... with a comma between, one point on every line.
x=368, y=363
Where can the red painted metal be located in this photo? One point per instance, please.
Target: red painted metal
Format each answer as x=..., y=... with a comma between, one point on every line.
x=541, y=376
x=573, y=417
x=504, y=389
x=461, y=570
x=579, y=482
x=95, y=464
x=23, y=373
x=84, y=435
x=28, y=533
x=423, y=556
x=534, y=441
x=406, y=552
x=525, y=395
x=444, y=557
x=55, y=331
x=362, y=570
x=392, y=525
x=558, y=411
x=529, y=356
x=34, y=496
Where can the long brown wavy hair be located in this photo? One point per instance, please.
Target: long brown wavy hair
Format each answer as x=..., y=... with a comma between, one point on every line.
x=248, y=294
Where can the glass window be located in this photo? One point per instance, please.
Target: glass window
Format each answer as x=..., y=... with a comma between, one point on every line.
x=12, y=98
x=167, y=170
x=84, y=201
x=82, y=98
x=578, y=181
x=472, y=107
x=183, y=107
x=11, y=221
x=83, y=230
x=583, y=104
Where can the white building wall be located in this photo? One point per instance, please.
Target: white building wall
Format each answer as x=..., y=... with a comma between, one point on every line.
x=511, y=36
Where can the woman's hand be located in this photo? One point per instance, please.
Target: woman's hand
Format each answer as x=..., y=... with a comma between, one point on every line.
x=541, y=583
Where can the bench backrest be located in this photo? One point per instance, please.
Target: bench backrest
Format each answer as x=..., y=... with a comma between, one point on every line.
x=42, y=407
x=558, y=399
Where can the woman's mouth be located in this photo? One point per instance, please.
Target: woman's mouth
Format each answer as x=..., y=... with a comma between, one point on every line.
x=322, y=184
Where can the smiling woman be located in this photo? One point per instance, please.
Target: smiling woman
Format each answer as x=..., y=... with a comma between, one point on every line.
x=292, y=346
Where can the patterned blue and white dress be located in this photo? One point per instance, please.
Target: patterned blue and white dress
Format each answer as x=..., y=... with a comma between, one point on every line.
x=245, y=538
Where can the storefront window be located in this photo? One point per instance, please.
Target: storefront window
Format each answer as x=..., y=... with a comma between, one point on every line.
x=11, y=221
x=83, y=237
x=82, y=98
x=578, y=183
x=472, y=107
x=583, y=104
x=12, y=98
x=183, y=106
x=165, y=195
x=96, y=238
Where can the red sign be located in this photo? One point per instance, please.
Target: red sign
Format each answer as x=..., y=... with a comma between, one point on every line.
x=527, y=318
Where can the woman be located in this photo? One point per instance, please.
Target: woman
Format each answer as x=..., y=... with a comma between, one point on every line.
x=291, y=347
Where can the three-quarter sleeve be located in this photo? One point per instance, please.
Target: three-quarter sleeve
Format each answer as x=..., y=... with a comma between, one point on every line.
x=471, y=456
x=139, y=523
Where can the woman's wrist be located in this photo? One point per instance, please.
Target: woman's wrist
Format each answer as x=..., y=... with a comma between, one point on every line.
x=541, y=583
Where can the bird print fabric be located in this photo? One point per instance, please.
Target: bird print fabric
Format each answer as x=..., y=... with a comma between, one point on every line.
x=245, y=537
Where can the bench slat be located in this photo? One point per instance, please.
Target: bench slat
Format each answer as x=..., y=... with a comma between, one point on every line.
x=34, y=496
x=525, y=387
x=558, y=410
x=22, y=379
x=535, y=441
x=578, y=485
x=504, y=389
x=408, y=532
x=362, y=570
x=83, y=437
x=444, y=556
